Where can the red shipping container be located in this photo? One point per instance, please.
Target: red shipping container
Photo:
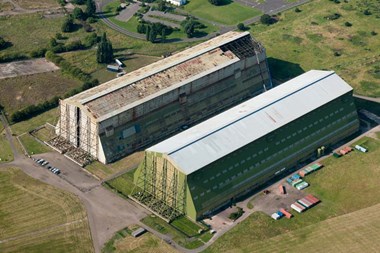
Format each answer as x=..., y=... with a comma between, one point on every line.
x=299, y=206
x=286, y=213
x=313, y=198
x=302, y=173
x=310, y=200
x=282, y=189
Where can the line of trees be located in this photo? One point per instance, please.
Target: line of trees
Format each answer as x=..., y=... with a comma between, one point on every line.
x=153, y=30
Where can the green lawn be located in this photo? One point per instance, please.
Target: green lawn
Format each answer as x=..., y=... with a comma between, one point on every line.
x=344, y=185
x=6, y=154
x=32, y=146
x=229, y=14
x=123, y=184
x=50, y=116
x=122, y=241
x=307, y=40
x=36, y=217
x=131, y=24
x=127, y=163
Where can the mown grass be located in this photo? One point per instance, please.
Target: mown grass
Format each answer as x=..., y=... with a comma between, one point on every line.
x=50, y=116
x=230, y=14
x=344, y=185
x=127, y=163
x=36, y=217
x=20, y=92
x=122, y=241
x=176, y=233
x=32, y=146
x=131, y=24
x=307, y=40
x=6, y=154
x=122, y=184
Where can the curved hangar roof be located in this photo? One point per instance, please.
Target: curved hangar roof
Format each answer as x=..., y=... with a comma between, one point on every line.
x=215, y=138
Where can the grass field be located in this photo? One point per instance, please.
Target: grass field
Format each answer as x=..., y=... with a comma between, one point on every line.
x=35, y=217
x=307, y=40
x=32, y=146
x=17, y=29
x=86, y=60
x=345, y=186
x=6, y=154
x=131, y=24
x=127, y=163
x=40, y=4
x=26, y=90
x=124, y=242
x=229, y=14
x=50, y=116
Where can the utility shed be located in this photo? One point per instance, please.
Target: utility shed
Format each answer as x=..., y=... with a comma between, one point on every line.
x=201, y=169
x=150, y=104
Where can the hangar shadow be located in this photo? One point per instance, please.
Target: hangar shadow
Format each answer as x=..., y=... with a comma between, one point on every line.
x=281, y=71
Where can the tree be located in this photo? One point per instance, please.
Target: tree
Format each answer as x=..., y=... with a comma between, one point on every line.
x=90, y=8
x=163, y=34
x=153, y=34
x=161, y=6
x=189, y=29
x=148, y=30
x=105, y=52
x=141, y=28
x=241, y=27
x=266, y=19
x=68, y=25
x=79, y=2
x=216, y=2
x=78, y=13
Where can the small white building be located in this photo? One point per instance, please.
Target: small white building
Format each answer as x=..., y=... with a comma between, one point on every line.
x=176, y=2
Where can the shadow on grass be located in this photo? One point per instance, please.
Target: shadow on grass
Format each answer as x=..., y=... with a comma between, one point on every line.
x=6, y=45
x=283, y=70
x=106, y=14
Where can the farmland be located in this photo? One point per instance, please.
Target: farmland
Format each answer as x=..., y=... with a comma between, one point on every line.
x=36, y=217
x=339, y=186
x=306, y=40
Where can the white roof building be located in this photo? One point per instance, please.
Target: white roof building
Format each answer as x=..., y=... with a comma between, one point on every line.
x=215, y=138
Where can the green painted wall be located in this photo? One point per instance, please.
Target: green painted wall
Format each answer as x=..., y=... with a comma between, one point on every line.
x=255, y=163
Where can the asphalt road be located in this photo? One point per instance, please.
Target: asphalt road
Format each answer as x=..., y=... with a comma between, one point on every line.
x=107, y=212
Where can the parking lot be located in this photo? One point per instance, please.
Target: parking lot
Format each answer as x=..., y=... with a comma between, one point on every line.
x=70, y=172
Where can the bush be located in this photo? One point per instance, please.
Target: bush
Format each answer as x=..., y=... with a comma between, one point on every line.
x=79, y=2
x=216, y=2
x=91, y=20
x=337, y=53
x=297, y=10
x=241, y=27
x=90, y=40
x=38, y=53
x=373, y=33
x=348, y=24
x=267, y=20
x=34, y=110
x=68, y=25
x=62, y=2
x=13, y=57
x=78, y=13
x=3, y=43
x=333, y=16
x=236, y=215
x=367, y=12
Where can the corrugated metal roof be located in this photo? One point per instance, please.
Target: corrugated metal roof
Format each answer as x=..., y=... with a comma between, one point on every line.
x=98, y=95
x=215, y=138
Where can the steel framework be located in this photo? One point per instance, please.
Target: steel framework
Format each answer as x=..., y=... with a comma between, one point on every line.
x=160, y=190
